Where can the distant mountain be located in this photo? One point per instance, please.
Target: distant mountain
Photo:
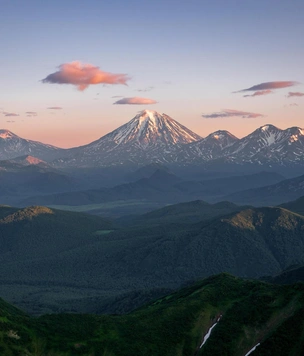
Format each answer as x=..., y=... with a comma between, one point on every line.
x=25, y=176
x=206, y=149
x=269, y=145
x=296, y=206
x=146, y=171
x=148, y=137
x=159, y=187
x=12, y=146
x=189, y=212
x=275, y=194
x=151, y=138
x=28, y=160
x=216, y=189
x=162, y=187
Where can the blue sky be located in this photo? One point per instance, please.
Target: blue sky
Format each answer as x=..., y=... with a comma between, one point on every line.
x=188, y=56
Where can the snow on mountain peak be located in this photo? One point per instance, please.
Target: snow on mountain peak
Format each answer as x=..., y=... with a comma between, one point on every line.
x=222, y=135
x=268, y=127
x=149, y=127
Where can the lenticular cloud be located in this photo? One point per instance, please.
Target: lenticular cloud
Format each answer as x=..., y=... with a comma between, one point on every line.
x=82, y=75
x=135, y=101
x=270, y=86
x=232, y=113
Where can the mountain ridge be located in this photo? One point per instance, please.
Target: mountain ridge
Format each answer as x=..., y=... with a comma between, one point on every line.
x=151, y=137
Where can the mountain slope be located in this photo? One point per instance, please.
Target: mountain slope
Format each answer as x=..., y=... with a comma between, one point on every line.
x=297, y=206
x=242, y=314
x=162, y=186
x=25, y=176
x=189, y=212
x=148, y=137
x=12, y=146
x=206, y=149
x=269, y=145
x=43, y=232
x=275, y=194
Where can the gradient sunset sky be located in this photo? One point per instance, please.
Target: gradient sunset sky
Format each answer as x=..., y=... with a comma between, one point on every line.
x=72, y=71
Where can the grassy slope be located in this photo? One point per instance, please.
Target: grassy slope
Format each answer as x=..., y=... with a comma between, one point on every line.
x=251, y=312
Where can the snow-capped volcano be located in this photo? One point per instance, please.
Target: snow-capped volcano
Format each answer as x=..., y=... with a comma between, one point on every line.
x=148, y=129
x=12, y=146
x=148, y=137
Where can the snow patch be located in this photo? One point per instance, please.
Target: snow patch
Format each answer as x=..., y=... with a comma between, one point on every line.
x=265, y=128
x=206, y=337
x=249, y=352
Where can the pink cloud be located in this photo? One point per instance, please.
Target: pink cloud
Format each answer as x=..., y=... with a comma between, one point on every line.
x=259, y=93
x=136, y=101
x=292, y=94
x=270, y=86
x=82, y=75
x=232, y=113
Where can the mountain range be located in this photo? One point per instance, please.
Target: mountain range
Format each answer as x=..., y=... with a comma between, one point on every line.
x=162, y=187
x=151, y=137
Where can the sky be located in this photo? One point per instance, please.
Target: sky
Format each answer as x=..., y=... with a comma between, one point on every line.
x=72, y=71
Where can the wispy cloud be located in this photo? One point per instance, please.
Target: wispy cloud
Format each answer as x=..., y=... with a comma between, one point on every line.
x=136, y=101
x=259, y=93
x=117, y=96
x=9, y=114
x=232, y=113
x=269, y=86
x=55, y=108
x=82, y=75
x=293, y=94
x=145, y=89
x=10, y=121
x=31, y=113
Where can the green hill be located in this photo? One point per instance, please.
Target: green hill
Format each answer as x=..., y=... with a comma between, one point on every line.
x=246, y=312
x=47, y=266
x=40, y=232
